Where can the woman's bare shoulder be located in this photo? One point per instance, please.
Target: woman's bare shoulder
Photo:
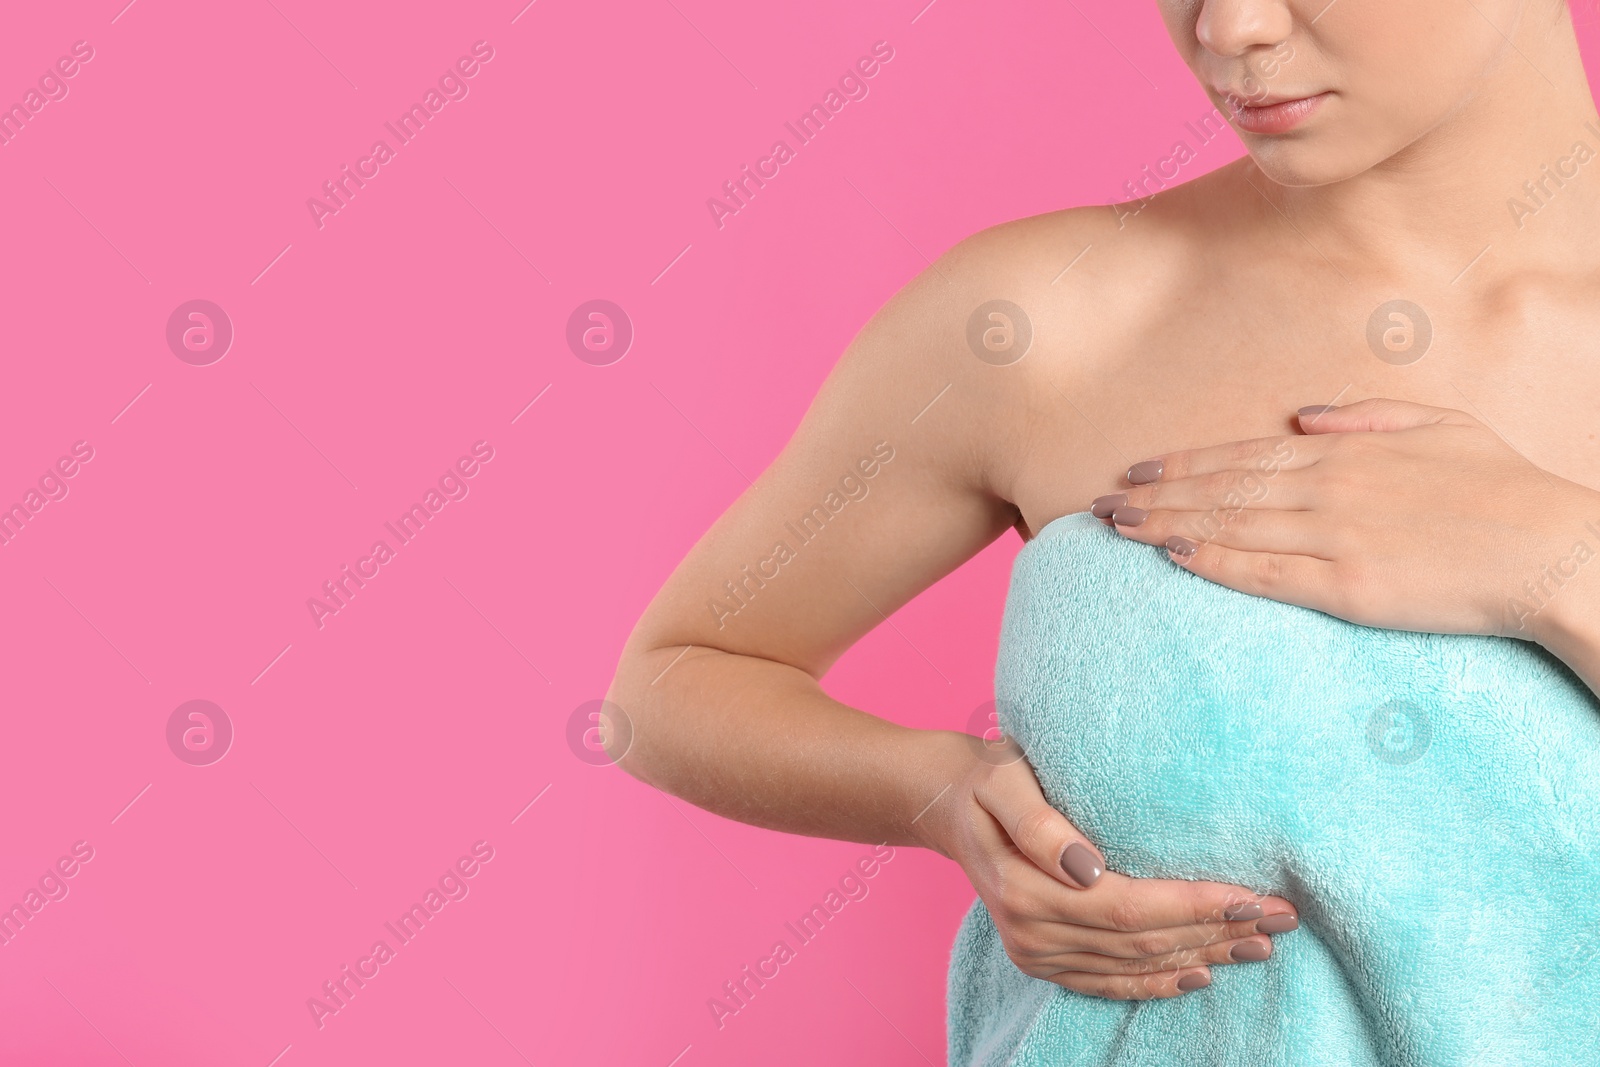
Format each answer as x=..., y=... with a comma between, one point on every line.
x=1089, y=273
x=1059, y=304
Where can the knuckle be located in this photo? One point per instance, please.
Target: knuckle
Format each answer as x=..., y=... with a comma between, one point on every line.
x=1135, y=968
x=1033, y=828
x=1217, y=483
x=1274, y=453
x=1150, y=943
x=1212, y=528
x=1023, y=946
x=1023, y=962
x=1128, y=914
x=1016, y=902
x=1022, y=943
x=1255, y=487
x=1244, y=522
x=1243, y=451
x=1267, y=570
x=1184, y=957
x=1005, y=898
x=1203, y=904
x=1355, y=574
x=1112, y=987
x=1351, y=589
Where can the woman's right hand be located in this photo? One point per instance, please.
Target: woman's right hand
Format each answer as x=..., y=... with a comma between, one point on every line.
x=1063, y=918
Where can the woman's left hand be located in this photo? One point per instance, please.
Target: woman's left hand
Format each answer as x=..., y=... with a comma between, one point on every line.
x=1384, y=513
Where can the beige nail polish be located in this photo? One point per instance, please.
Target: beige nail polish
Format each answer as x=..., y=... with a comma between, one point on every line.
x=1103, y=506
x=1144, y=472
x=1249, y=952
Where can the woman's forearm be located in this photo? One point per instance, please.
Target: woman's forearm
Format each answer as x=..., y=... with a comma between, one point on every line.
x=759, y=741
x=1561, y=607
x=1570, y=628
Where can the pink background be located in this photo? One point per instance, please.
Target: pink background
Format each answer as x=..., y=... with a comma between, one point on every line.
x=368, y=355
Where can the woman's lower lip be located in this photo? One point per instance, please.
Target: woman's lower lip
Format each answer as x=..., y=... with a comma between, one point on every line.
x=1277, y=118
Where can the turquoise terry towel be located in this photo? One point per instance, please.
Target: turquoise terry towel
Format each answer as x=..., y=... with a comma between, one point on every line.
x=1430, y=803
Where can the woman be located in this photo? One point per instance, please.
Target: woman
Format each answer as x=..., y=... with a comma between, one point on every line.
x=1416, y=223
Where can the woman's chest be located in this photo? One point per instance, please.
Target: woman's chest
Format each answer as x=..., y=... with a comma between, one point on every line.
x=1200, y=375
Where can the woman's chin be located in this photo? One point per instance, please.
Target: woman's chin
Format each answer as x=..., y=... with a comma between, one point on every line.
x=1307, y=163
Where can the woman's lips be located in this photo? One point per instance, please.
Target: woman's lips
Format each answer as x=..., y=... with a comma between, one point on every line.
x=1280, y=117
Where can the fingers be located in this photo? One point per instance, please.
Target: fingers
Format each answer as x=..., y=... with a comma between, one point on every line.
x=1129, y=987
x=1170, y=975
x=1291, y=579
x=1218, y=491
x=1063, y=918
x=1285, y=555
x=1252, y=949
x=1134, y=905
x=1269, y=455
x=1266, y=530
x=1266, y=455
x=1011, y=794
x=1376, y=415
x=1174, y=941
x=1125, y=937
x=1135, y=917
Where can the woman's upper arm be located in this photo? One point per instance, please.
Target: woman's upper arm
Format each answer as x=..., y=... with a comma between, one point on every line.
x=882, y=490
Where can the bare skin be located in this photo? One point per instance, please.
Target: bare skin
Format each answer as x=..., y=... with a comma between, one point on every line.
x=1209, y=316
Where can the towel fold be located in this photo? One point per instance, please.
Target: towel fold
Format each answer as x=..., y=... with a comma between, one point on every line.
x=1430, y=803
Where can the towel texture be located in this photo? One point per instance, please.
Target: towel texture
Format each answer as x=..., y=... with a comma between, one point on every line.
x=1430, y=803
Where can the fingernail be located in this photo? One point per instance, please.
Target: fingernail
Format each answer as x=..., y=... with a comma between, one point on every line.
x=1081, y=865
x=1249, y=952
x=1147, y=471
x=1277, y=924
x=1103, y=506
x=1318, y=409
x=1190, y=982
x=1129, y=516
x=1182, y=546
x=1242, y=911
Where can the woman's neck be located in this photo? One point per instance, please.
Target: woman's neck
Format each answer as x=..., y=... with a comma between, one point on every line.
x=1509, y=181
